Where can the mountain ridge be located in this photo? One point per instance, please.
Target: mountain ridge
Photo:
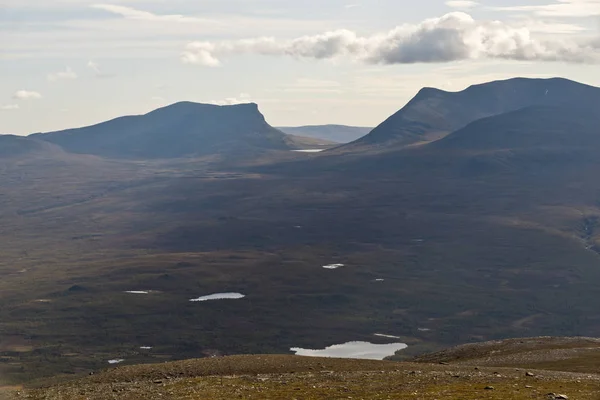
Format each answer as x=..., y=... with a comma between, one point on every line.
x=434, y=112
x=181, y=129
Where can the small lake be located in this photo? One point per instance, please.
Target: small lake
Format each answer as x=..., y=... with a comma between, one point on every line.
x=220, y=296
x=309, y=151
x=362, y=350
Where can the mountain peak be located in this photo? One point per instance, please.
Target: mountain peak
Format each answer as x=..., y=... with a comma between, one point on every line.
x=434, y=112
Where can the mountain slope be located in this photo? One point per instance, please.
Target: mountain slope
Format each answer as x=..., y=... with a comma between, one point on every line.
x=433, y=112
x=12, y=146
x=286, y=377
x=182, y=129
x=334, y=133
x=532, y=127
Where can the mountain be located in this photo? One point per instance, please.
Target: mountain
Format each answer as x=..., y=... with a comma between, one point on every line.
x=179, y=130
x=491, y=232
x=333, y=133
x=537, y=127
x=12, y=146
x=433, y=113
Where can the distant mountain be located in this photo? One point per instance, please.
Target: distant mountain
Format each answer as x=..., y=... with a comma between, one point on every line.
x=17, y=146
x=433, y=113
x=333, y=133
x=179, y=130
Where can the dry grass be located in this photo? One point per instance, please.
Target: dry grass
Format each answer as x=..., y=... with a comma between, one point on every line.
x=290, y=377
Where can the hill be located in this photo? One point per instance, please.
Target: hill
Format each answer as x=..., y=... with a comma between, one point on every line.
x=12, y=146
x=179, y=130
x=333, y=133
x=433, y=113
x=285, y=377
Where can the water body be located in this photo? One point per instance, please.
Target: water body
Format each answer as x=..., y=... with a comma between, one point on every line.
x=220, y=296
x=333, y=266
x=308, y=151
x=386, y=336
x=362, y=350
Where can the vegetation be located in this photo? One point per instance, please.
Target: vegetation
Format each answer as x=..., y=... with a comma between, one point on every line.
x=471, y=244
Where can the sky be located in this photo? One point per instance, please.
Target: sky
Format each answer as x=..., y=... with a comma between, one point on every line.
x=72, y=63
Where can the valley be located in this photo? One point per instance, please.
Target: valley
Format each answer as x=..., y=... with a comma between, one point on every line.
x=484, y=234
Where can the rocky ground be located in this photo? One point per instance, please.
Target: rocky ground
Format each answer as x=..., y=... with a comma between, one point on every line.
x=293, y=377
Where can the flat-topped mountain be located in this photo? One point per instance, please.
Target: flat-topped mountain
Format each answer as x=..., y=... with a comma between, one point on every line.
x=433, y=112
x=179, y=130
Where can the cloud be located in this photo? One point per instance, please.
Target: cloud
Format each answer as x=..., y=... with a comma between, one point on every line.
x=560, y=8
x=97, y=71
x=135, y=14
x=243, y=98
x=26, y=95
x=462, y=4
x=66, y=74
x=452, y=37
x=9, y=107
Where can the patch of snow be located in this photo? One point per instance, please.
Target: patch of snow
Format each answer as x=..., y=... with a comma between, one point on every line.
x=138, y=291
x=424, y=330
x=145, y=348
x=308, y=151
x=220, y=296
x=116, y=361
x=362, y=350
x=333, y=266
x=386, y=336
x=379, y=280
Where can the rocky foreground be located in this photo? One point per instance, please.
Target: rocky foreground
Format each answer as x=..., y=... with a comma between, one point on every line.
x=539, y=368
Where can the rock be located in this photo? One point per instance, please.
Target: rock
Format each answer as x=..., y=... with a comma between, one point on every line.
x=529, y=374
x=561, y=397
x=489, y=388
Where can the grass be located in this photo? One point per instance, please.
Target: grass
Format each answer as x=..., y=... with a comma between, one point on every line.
x=467, y=255
x=288, y=377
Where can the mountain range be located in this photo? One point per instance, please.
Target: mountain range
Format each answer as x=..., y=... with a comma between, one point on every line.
x=334, y=133
x=433, y=113
x=465, y=217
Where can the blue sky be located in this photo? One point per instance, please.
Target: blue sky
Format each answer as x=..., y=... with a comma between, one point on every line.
x=68, y=63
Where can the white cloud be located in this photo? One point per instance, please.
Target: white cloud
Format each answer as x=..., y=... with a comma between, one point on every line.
x=9, y=107
x=132, y=13
x=26, y=95
x=462, y=4
x=455, y=36
x=560, y=8
x=94, y=67
x=68, y=73
x=97, y=71
x=243, y=98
